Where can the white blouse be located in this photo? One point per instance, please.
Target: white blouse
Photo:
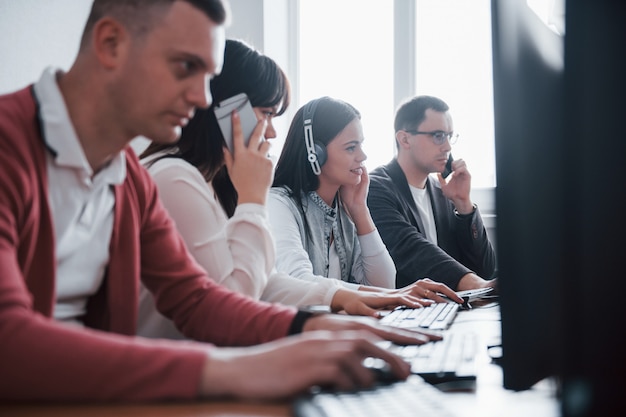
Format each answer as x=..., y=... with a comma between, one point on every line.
x=237, y=252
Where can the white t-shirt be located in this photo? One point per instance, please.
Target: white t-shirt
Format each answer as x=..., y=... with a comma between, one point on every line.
x=425, y=209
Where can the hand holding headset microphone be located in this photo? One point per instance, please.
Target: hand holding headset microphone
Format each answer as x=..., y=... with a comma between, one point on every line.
x=316, y=152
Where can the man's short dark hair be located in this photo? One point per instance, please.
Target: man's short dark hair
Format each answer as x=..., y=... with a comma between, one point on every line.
x=139, y=16
x=412, y=112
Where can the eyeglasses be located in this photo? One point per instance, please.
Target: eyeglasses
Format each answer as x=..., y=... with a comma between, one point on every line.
x=438, y=136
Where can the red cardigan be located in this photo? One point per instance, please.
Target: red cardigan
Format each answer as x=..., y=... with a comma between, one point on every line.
x=42, y=359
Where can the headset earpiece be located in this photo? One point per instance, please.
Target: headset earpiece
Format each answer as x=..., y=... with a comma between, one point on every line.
x=316, y=152
x=320, y=151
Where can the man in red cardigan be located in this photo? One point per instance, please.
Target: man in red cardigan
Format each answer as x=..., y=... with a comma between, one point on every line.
x=81, y=224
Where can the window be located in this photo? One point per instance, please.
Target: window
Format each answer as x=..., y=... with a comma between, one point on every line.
x=346, y=50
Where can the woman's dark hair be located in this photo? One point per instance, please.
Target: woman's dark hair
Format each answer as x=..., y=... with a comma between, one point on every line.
x=245, y=70
x=293, y=169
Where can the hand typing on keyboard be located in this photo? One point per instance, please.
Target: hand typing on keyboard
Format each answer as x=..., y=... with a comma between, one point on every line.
x=330, y=353
x=395, y=334
x=428, y=289
x=293, y=365
x=370, y=303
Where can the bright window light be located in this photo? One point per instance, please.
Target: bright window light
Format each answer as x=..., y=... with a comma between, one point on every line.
x=454, y=63
x=551, y=13
x=346, y=51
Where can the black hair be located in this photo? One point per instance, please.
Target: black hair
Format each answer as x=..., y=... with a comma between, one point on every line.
x=293, y=169
x=245, y=70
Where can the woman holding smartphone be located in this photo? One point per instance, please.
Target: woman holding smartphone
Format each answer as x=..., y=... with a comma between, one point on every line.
x=217, y=199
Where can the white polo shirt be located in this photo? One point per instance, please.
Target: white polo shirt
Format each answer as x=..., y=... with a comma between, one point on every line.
x=81, y=204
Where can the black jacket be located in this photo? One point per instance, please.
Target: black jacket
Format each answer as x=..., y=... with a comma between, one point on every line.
x=463, y=244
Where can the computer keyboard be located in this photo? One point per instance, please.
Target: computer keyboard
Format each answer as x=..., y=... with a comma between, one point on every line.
x=413, y=397
x=449, y=363
x=437, y=316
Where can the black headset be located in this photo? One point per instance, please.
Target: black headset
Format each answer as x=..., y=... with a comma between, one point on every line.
x=316, y=152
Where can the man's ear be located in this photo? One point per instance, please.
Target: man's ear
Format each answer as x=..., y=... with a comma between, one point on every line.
x=402, y=138
x=109, y=39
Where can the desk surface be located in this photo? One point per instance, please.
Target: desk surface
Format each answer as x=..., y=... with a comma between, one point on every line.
x=489, y=399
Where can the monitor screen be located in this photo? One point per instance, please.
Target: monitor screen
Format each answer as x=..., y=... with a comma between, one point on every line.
x=529, y=116
x=561, y=200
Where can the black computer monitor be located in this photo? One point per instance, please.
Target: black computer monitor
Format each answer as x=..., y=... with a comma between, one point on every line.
x=561, y=199
x=530, y=197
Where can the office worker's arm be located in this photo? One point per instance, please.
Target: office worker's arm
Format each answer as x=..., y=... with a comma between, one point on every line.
x=285, y=368
x=471, y=241
x=237, y=252
x=373, y=265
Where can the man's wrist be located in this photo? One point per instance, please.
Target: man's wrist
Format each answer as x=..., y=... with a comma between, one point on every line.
x=304, y=314
x=466, y=213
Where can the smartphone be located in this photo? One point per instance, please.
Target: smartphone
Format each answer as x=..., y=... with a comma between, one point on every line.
x=448, y=169
x=223, y=112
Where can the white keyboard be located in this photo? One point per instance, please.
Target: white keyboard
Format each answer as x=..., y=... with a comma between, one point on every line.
x=410, y=398
x=449, y=363
x=436, y=316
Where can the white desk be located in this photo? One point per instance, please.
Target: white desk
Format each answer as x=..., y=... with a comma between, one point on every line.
x=490, y=398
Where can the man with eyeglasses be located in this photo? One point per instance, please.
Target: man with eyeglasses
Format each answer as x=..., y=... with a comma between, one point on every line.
x=432, y=229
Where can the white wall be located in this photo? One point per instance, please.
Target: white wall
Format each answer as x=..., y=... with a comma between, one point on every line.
x=36, y=34
x=247, y=22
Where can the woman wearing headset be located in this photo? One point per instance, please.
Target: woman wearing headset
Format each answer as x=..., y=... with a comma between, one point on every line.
x=317, y=206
